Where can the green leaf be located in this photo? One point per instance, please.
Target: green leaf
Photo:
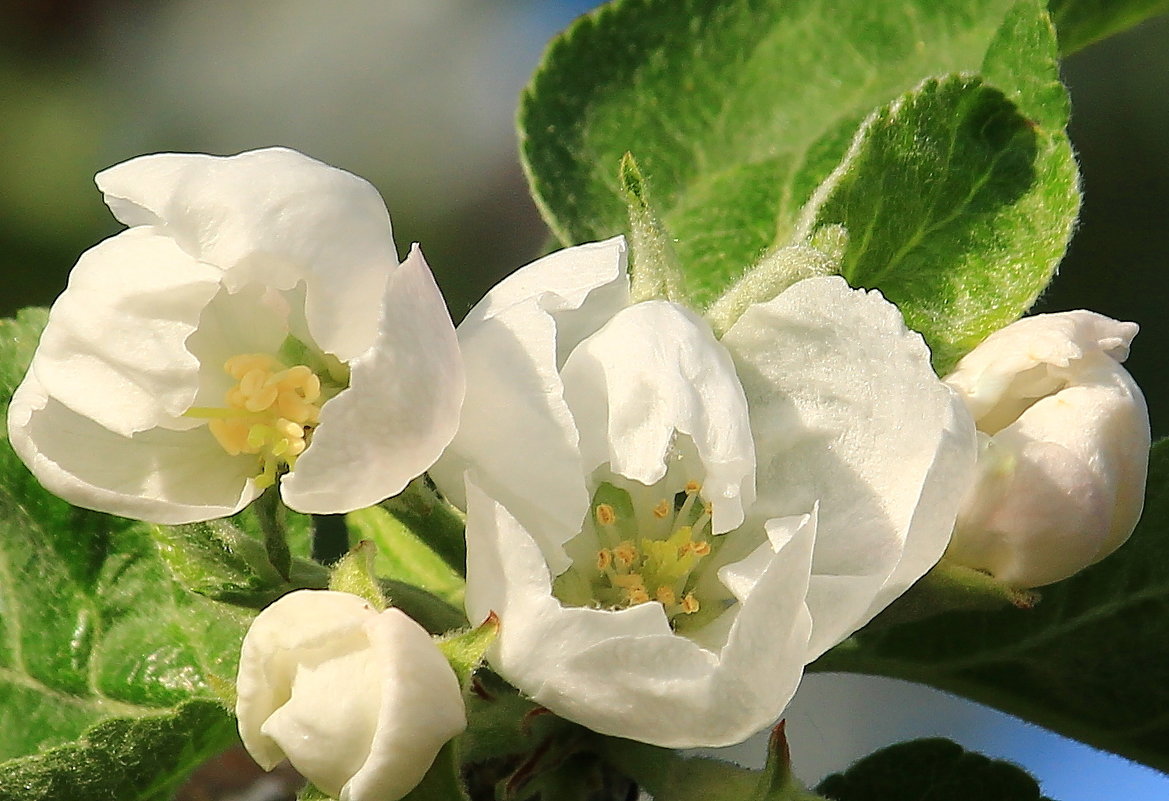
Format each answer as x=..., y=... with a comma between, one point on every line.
x=403, y=556
x=1082, y=22
x=98, y=644
x=930, y=770
x=957, y=207
x=123, y=759
x=671, y=776
x=420, y=510
x=222, y=561
x=1089, y=661
x=736, y=111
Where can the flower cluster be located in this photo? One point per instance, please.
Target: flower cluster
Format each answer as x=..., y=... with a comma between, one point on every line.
x=669, y=523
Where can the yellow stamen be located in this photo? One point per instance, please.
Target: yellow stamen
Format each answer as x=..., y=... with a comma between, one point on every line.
x=604, y=559
x=665, y=596
x=689, y=604
x=662, y=509
x=270, y=412
x=625, y=554
x=637, y=596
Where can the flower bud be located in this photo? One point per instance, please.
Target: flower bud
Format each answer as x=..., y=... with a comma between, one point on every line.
x=1064, y=436
x=360, y=702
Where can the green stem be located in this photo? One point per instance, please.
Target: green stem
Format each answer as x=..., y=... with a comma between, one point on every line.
x=270, y=512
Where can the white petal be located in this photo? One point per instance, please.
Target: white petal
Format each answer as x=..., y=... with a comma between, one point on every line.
x=304, y=619
x=159, y=475
x=948, y=478
x=1034, y=357
x=847, y=411
x=626, y=673
x=517, y=434
x=114, y=348
x=421, y=708
x=581, y=287
x=273, y=217
x=400, y=410
x=653, y=371
x=252, y=320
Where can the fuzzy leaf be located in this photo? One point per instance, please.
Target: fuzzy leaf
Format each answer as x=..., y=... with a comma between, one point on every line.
x=1082, y=22
x=737, y=111
x=101, y=652
x=958, y=209
x=930, y=770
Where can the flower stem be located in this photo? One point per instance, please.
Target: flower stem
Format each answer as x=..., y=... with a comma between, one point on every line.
x=270, y=512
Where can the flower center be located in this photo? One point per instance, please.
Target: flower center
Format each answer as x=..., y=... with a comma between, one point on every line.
x=638, y=562
x=271, y=412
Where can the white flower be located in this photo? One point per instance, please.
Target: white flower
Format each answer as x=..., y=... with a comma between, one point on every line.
x=359, y=702
x=669, y=526
x=1064, y=448
x=253, y=320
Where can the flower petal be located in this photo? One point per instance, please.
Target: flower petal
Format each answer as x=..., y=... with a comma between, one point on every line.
x=400, y=410
x=273, y=217
x=114, y=348
x=581, y=287
x=513, y=343
x=656, y=370
x=847, y=411
x=160, y=475
x=421, y=708
x=1034, y=357
x=271, y=652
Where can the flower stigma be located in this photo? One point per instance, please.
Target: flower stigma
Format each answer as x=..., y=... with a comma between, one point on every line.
x=639, y=559
x=270, y=411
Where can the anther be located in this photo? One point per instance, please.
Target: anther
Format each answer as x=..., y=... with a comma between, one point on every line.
x=662, y=509
x=604, y=559
x=625, y=553
x=606, y=514
x=689, y=604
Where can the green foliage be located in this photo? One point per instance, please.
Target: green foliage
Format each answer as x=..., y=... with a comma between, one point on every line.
x=957, y=206
x=1089, y=661
x=101, y=651
x=402, y=555
x=221, y=560
x=930, y=770
x=354, y=574
x=736, y=112
x=122, y=758
x=1082, y=22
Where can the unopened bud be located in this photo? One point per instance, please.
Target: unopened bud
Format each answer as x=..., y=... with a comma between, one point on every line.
x=359, y=701
x=1064, y=435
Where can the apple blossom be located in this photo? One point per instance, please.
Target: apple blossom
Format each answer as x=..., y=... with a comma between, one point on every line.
x=671, y=526
x=252, y=321
x=359, y=701
x=1064, y=448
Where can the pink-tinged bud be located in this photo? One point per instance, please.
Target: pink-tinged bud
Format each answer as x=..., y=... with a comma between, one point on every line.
x=1064, y=434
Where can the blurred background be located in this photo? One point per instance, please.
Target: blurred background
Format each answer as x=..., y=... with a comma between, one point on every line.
x=419, y=96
